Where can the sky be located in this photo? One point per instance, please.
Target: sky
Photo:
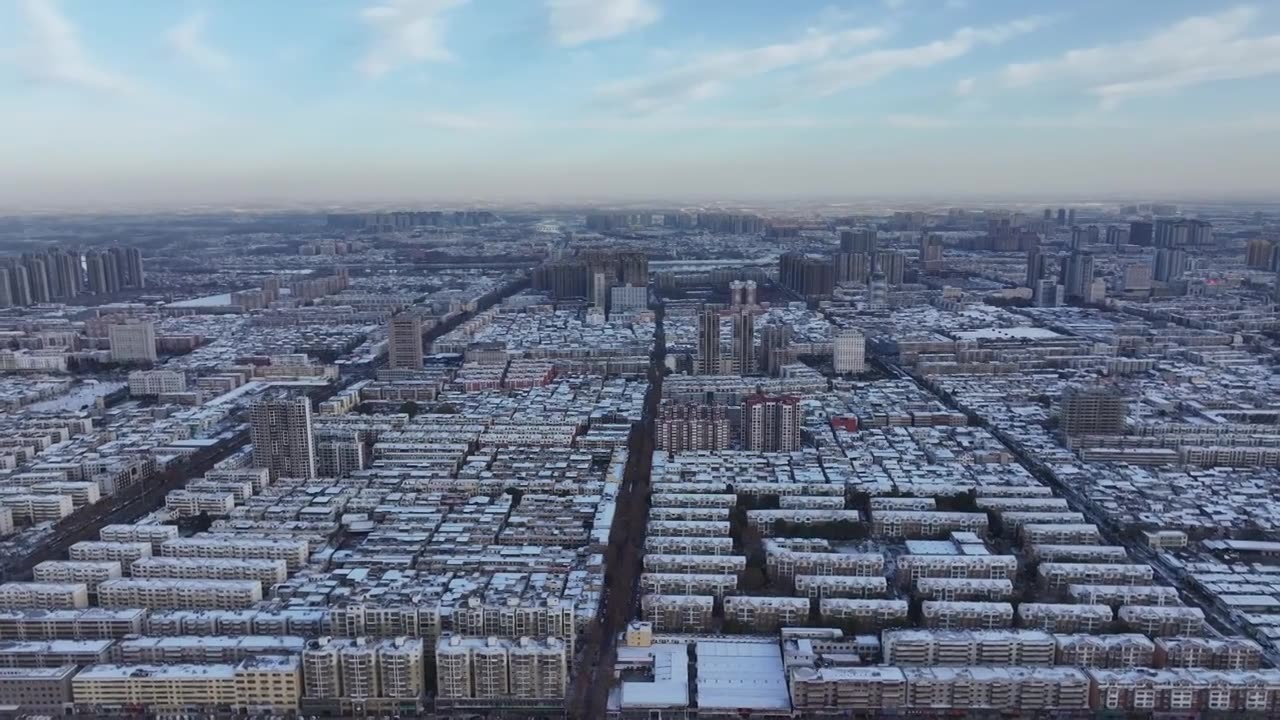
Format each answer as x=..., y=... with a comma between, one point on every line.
x=172, y=102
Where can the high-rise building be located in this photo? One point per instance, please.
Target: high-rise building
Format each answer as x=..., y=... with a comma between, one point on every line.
x=806, y=276
x=849, y=351
x=1259, y=254
x=1077, y=275
x=771, y=424
x=600, y=289
x=1048, y=293
x=1169, y=265
x=1117, y=236
x=1048, y=214
x=6, y=295
x=1094, y=410
x=1141, y=233
x=133, y=342
x=1071, y=217
x=38, y=275
x=744, y=352
x=774, y=341
x=1062, y=217
x=1035, y=266
x=861, y=240
x=95, y=272
x=878, y=290
x=20, y=287
x=893, y=265
x=111, y=270
x=633, y=269
x=1079, y=238
x=270, y=289
x=404, y=341
x=282, y=440
x=1096, y=292
x=852, y=267
x=930, y=254
x=684, y=427
x=708, y=360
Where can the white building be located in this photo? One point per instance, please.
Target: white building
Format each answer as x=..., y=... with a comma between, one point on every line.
x=849, y=351
x=156, y=382
x=133, y=342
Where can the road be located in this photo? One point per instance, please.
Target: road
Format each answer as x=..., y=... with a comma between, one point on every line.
x=594, y=674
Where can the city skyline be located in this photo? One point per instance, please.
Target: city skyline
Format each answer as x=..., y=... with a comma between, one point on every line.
x=171, y=105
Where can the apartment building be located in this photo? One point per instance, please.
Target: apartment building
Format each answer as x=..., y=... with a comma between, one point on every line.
x=168, y=593
x=271, y=684
x=43, y=596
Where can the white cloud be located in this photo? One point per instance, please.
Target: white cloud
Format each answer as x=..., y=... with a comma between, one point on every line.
x=577, y=22
x=1191, y=52
x=187, y=40
x=709, y=75
x=836, y=75
x=405, y=32
x=964, y=87
x=917, y=122
x=54, y=54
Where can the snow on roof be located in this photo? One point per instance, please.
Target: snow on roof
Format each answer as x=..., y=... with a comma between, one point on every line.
x=746, y=675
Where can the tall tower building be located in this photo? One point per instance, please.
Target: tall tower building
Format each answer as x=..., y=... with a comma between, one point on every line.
x=1062, y=217
x=930, y=253
x=852, y=267
x=1071, y=217
x=95, y=273
x=1141, y=233
x=133, y=342
x=774, y=341
x=893, y=265
x=600, y=289
x=1093, y=410
x=1169, y=264
x=111, y=270
x=708, y=361
x=20, y=286
x=404, y=341
x=1077, y=275
x=6, y=295
x=634, y=268
x=282, y=440
x=1035, y=266
x=133, y=268
x=744, y=348
x=771, y=424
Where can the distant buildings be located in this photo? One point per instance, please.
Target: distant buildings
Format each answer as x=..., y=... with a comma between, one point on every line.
x=133, y=342
x=282, y=440
x=864, y=241
x=771, y=424
x=742, y=292
x=404, y=341
x=58, y=274
x=1077, y=275
x=1035, y=266
x=591, y=274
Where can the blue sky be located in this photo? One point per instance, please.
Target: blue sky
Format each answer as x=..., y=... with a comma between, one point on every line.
x=181, y=101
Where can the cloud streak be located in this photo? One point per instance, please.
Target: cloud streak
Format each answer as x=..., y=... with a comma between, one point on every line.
x=1193, y=51
x=187, y=40
x=405, y=32
x=54, y=55
x=709, y=75
x=843, y=74
x=578, y=22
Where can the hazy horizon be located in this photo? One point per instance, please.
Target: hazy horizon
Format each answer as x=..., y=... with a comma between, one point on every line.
x=161, y=105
